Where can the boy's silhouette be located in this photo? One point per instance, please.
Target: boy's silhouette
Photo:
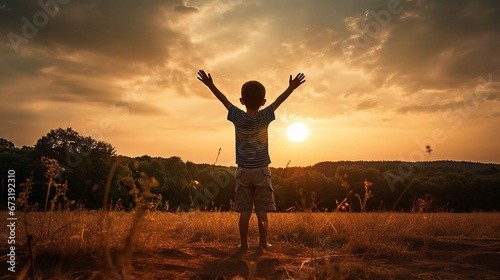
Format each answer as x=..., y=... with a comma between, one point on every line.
x=253, y=177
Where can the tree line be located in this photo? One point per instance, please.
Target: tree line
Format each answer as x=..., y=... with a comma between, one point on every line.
x=65, y=170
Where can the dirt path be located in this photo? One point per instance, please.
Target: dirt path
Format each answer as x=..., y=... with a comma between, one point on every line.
x=441, y=259
x=216, y=261
x=451, y=258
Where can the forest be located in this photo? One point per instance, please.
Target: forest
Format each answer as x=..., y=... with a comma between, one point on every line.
x=65, y=170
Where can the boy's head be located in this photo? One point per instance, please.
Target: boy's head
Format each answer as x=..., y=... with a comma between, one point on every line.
x=253, y=95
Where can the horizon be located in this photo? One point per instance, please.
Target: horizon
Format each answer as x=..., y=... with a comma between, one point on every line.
x=292, y=166
x=288, y=165
x=384, y=79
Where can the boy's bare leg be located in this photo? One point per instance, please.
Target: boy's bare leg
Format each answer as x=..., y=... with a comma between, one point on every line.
x=244, y=221
x=263, y=226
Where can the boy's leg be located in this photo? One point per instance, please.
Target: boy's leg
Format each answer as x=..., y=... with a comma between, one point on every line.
x=263, y=226
x=243, y=204
x=264, y=202
x=243, y=225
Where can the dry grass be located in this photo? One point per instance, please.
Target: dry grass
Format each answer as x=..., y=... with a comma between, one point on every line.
x=376, y=233
x=365, y=236
x=346, y=231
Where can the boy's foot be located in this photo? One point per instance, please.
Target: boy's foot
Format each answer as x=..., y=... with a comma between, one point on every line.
x=242, y=249
x=268, y=245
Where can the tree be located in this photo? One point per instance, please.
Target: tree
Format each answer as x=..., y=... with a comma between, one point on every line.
x=312, y=190
x=212, y=189
x=177, y=180
x=86, y=162
x=6, y=145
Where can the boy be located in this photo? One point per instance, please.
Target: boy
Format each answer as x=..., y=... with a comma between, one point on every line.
x=253, y=177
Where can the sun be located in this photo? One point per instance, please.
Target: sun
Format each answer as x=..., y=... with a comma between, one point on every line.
x=297, y=132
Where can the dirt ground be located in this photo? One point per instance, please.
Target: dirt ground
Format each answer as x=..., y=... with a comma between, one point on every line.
x=444, y=258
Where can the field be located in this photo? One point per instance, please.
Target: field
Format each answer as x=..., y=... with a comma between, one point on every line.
x=203, y=245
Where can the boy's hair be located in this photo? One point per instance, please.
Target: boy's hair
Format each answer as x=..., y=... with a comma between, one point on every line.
x=253, y=94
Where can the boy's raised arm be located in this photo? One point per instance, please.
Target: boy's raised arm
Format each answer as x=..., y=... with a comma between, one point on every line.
x=207, y=80
x=292, y=85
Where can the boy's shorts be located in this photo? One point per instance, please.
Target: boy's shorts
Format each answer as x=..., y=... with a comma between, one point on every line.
x=253, y=187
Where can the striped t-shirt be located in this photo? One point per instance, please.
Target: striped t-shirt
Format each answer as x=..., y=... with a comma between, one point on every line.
x=251, y=136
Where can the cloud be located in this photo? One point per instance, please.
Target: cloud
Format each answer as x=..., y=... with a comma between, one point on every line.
x=439, y=46
x=366, y=105
x=495, y=114
x=144, y=55
x=431, y=108
x=93, y=51
x=116, y=29
x=184, y=9
x=74, y=91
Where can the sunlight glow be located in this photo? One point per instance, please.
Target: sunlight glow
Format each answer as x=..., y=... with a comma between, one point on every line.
x=297, y=132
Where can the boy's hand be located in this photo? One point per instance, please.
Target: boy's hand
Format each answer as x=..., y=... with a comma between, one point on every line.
x=292, y=85
x=206, y=79
x=297, y=81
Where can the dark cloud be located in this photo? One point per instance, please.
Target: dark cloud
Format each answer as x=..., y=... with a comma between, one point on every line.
x=123, y=30
x=104, y=41
x=74, y=91
x=13, y=66
x=433, y=44
x=495, y=115
x=468, y=99
x=145, y=109
x=431, y=108
x=17, y=115
x=183, y=9
x=366, y=105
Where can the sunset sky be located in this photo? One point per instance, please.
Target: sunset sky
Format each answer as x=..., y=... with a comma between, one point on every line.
x=384, y=78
